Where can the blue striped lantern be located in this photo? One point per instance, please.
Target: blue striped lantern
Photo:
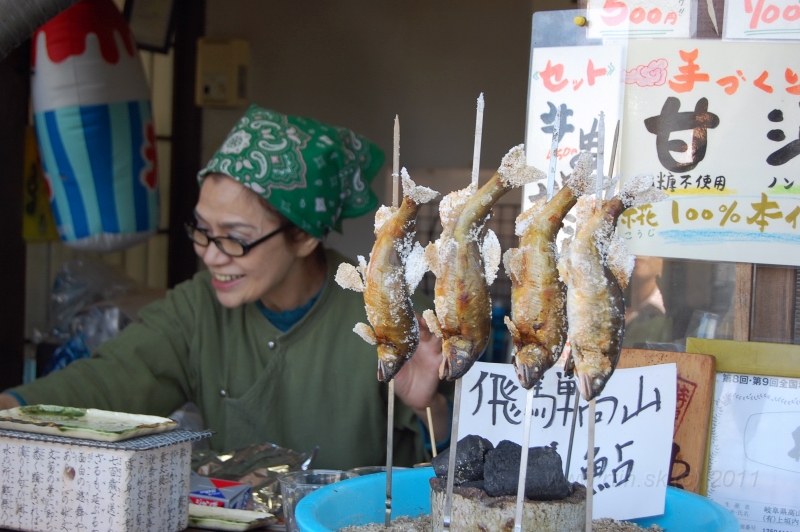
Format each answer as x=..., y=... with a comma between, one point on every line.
x=95, y=129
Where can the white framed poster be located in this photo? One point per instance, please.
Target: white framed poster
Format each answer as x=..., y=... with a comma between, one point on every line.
x=754, y=466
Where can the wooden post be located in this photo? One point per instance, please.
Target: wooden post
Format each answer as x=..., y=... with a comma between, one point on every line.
x=742, y=302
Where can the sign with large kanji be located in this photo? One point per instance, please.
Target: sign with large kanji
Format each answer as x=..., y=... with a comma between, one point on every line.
x=717, y=124
x=580, y=82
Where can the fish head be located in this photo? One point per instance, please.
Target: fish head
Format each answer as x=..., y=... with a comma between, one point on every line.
x=591, y=382
x=531, y=361
x=389, y=362
x=458, y=354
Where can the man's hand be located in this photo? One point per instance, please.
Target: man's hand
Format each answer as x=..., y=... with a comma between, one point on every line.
x=416, y=383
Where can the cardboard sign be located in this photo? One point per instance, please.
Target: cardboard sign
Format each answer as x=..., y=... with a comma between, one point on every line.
x=754, y=466
x=651, y=19
x=633, y=435
x=762, y=19
x=717, y=124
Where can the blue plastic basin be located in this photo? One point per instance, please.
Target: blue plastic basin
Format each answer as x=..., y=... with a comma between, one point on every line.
x=360, y=501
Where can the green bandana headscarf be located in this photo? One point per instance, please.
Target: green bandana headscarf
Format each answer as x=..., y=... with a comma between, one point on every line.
x=314, y=174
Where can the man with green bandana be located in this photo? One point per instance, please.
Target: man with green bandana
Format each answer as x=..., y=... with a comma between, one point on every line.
x=262, y=339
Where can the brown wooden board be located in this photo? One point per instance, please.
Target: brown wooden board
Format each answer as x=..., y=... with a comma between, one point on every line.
x=695, y=393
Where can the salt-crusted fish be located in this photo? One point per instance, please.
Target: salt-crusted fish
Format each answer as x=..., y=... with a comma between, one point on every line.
x=596, y=268
x=465, y=265
x=395, y=268
x=538, y=322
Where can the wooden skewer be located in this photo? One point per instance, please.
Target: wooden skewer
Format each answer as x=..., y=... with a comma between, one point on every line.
x=590, y=466
x=390, y=409
x=451, y=462
x=430, y=430
x=526, y=430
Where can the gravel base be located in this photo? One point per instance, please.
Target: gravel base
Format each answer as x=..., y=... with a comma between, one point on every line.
x=423, y=524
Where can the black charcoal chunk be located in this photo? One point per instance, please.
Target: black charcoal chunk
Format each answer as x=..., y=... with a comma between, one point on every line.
x=470, y=455
x=544, y=480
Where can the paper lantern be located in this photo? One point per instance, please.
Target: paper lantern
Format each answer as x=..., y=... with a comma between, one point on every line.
x=95, y=129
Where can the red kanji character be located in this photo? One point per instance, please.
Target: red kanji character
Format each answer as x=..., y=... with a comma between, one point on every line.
x=689, y=73
x=761, y=82
x=592, y=72
x=731, y=82
x=551, y=77
x=792, y=78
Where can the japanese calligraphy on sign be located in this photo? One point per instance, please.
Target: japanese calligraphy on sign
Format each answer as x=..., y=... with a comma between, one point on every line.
x=579, y=81
x=754, y=466
x=633, y=435
x=718, y=125
x=762, y=19
x=651, y=19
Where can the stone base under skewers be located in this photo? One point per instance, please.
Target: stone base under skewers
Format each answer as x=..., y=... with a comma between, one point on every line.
x=473, y=509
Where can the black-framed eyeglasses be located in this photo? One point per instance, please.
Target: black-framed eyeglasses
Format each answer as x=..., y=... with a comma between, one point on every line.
x=229, y=245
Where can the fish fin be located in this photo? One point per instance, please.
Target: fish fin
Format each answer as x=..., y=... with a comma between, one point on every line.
x=619, y=260
x=581, y=180
x=433, y=323
x=349, y=277
x=490, y=250
x=512, y=329
x=639, y=191
x=515, y=172
x=366, y=333
x=431, y=256
x=362, y=266
x=382, y=216
x=512, y=261
x=416, y=193
x=415, y=267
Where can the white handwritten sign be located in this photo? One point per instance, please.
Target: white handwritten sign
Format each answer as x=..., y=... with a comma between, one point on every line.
x=754, y=466
x=651, y=19
x=762, y=19
x=633, y=435
x=580, y=81
x=717, y=124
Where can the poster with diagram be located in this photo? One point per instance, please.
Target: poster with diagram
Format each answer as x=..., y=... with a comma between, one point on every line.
x=716, y=124
x=754, y=466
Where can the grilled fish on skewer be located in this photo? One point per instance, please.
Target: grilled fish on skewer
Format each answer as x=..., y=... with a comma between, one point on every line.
x=465, y=266
x=596, y=267
x=538, y=323
x=395, y=268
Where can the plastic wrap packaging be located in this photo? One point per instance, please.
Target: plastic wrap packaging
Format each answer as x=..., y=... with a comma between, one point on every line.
x=259, y=465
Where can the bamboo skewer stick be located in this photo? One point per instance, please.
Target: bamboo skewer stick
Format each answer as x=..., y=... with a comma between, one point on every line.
x=476, y=152
x=526, y=430
x=451, y=462
x=430, y=430
x=590, y=466
x=390, y=409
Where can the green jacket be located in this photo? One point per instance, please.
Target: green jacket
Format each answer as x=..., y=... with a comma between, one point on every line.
x=314, y=385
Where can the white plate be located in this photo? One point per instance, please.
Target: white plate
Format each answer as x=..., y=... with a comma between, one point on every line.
x=86, y=423
x=215, y=518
